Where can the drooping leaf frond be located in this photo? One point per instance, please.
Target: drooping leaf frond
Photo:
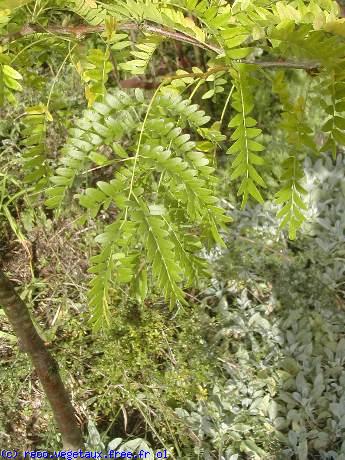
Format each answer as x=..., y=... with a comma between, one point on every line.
x=334, y=106
x=290, y=197
x=94, y=68
x=160, y=252
x=34, y=157
x=245, y=145
x=103, y=125
x=299, y=140
x=143, y=53
x=162, y=191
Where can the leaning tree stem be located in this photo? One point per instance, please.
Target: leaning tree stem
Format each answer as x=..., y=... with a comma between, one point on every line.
x=45, y=365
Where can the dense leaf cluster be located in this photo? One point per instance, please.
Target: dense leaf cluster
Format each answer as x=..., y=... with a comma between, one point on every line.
x=163, y=193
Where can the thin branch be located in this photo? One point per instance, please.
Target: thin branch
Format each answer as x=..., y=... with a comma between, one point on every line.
x=81, y=30
x=307, y=65
x=178, y=36
x=311, y=65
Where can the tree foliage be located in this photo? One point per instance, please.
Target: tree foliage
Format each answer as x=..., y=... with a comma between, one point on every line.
x=161, y=147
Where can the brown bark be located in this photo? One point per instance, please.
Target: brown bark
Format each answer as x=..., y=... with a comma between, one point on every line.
x=80, y=31
x=45, y=365
x=138, y=83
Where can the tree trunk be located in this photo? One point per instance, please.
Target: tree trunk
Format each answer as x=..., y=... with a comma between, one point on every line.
x=46, y=367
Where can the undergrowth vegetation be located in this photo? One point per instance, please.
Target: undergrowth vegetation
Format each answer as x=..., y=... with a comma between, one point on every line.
x=252, y=367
